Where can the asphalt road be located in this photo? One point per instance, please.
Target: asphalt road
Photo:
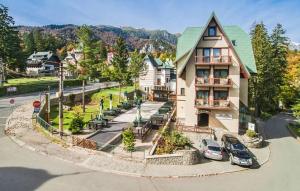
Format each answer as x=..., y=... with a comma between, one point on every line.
x=24, y=170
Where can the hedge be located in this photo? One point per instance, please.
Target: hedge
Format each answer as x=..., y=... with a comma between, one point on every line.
x=29, y=88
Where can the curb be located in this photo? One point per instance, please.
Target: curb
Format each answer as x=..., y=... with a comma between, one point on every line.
x=293, y=134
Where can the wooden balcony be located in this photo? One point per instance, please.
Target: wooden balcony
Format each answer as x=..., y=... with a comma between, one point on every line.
x=213, y=82
x=160, y=88
x=213, y=104
x=213, y=60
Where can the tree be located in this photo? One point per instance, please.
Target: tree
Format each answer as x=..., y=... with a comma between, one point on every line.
x=119, y=72
x=290, y=90
x=29, y=43
x=279, y=44
x=260, y=86
x=136, y=66
x=128, y=139
x=38, y=40
x=10, y=49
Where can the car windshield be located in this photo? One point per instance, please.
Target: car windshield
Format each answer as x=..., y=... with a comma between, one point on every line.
x=212, y=148
x=239, y=147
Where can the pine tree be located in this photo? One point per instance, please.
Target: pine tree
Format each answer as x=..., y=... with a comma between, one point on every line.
x=10, y=49
x=261, y=87
x=279, y=59
x=119, y=62
x=136, y=66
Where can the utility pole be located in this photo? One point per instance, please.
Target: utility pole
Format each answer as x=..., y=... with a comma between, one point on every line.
x=61, y=96
x=83, y=95
x=1, y=72
x=48, y=104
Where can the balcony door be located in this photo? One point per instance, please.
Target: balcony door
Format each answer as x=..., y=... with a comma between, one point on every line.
x=203, y=73
x=206, y=55
x=203, y=95
x=217, y=55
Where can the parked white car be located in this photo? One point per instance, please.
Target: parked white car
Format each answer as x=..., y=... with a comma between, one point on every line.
x=211, y=149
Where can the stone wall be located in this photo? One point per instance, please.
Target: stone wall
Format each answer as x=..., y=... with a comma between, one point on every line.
x=182, y=157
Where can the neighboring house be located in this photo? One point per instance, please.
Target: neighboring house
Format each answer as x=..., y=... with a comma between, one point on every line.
x=214, y=64
x=110, y=56
x=42, y=63
x=72, y=61
x=157, y=80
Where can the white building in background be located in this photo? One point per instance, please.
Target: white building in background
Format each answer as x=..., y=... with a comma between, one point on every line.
x=159, y=78
x=42, y=63
x=72, y=61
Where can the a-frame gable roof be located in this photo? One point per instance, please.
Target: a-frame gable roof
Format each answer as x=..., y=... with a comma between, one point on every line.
x=192, y=36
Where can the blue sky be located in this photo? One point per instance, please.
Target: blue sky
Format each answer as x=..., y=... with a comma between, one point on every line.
x=172, y=15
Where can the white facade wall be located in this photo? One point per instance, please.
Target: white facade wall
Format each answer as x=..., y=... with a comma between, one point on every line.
x=186, y=110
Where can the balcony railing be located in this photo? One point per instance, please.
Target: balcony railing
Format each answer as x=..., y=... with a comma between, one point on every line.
x=212, y=104
x=160, y=87
x=215, y=82
x=213, y=60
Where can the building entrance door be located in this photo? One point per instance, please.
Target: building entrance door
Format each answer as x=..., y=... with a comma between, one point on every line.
x=203, y=119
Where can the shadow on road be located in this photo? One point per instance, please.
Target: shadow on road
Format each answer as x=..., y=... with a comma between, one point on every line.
x=275, y=128
x=25, y=179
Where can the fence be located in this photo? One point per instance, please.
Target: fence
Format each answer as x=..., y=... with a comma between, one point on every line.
x=44, y=124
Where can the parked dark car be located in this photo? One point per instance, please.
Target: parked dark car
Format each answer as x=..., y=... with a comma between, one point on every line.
x=238, y=153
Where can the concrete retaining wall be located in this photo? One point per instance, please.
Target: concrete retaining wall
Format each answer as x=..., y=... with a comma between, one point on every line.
x=182, y=157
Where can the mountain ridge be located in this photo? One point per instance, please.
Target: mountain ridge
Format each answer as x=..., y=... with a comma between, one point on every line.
x=136, y=38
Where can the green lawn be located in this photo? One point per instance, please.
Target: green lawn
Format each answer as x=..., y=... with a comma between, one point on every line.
x=92, y=109
x=295, y=128
x=32, y=81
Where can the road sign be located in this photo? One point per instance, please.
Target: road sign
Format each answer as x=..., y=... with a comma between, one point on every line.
x=12, y=101
x=251, y=126
x=36, y=104
x=11, y=89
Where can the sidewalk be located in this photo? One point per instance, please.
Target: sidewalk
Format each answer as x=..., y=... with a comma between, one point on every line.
x=20, y=129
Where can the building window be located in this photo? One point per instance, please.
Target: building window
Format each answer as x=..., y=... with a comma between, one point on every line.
x=203, y=94
x=202, y=73
x=220, y=95
x=182, y=91
x=159, y=70
x=167, y=80
x=220, y=73
x=212, y=31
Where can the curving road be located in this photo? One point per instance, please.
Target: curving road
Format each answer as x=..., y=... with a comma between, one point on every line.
x=24, y=170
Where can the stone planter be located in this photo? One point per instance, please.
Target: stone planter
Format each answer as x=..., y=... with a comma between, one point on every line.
x=256, y=142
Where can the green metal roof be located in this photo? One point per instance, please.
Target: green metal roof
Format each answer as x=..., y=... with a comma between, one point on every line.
x=243, y=45
x=157, y=63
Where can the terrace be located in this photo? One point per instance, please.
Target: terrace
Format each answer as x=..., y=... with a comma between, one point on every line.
x=213, y=60
x=213, y=104
x=213, y=82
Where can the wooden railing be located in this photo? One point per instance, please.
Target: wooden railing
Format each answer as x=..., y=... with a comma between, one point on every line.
x=221, y=60
x=223, y=82
x=160, y=87
x=212, y=104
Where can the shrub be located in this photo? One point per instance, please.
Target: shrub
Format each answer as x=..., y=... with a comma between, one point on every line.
x=265, y=116
x=170, y=142
x=71, y=100
x=179, y=140
x=296, y=109
x=251, y=133
x=76, y=125
x=128, y=139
